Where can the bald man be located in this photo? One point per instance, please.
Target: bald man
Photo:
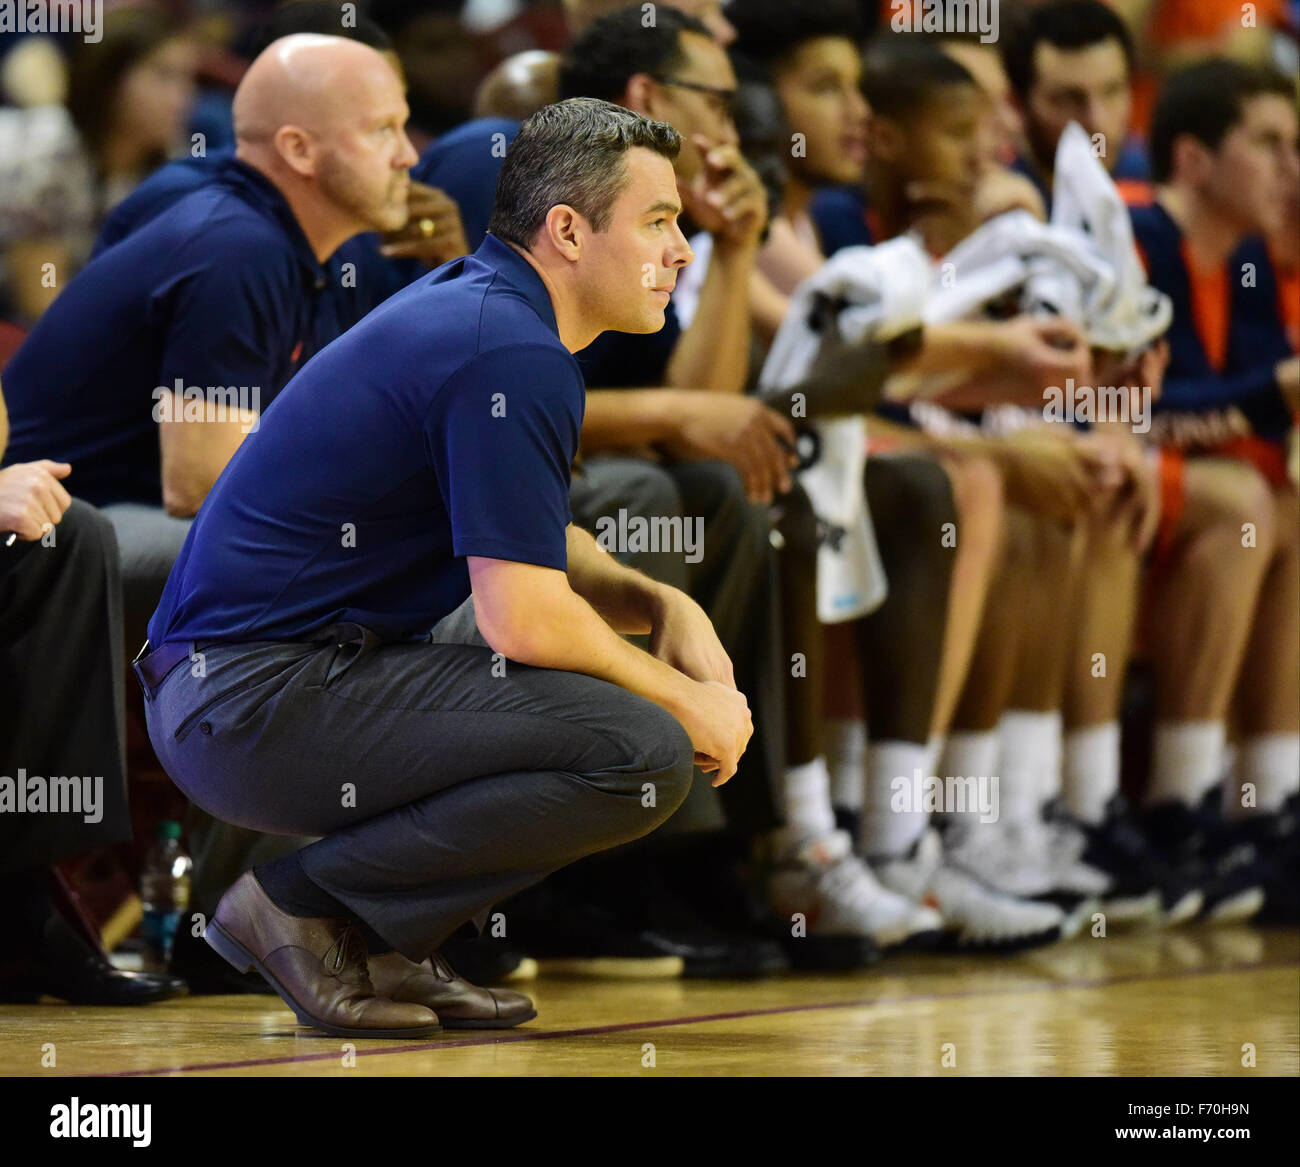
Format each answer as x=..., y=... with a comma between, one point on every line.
x=156, y=361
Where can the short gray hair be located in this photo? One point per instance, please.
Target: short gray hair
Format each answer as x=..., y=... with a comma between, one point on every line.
x=571, y=153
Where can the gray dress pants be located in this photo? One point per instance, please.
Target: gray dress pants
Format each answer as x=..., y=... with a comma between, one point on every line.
x=442, y=777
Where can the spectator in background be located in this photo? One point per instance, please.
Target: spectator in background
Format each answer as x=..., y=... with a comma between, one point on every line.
x=441, y=58
x=63, y=168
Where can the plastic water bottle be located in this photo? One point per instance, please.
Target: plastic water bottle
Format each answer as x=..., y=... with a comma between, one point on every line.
x=165, y=892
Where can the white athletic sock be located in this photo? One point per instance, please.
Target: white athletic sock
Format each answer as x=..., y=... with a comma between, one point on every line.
x=1091, y=770
x=1271, y=763
x=970, y=753
x=1186, y=762
x=885, y=832
x=1029, y=762
x=846, y=755
x=808, y=799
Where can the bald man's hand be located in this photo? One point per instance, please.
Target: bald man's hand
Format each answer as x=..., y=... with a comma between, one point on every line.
x=445, y=241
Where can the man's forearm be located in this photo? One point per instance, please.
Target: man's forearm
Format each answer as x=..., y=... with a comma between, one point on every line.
x=624, y=419
x=628, y=601
x=960, y=345
x=534, y=616
x=193, y=455
x=714, y=352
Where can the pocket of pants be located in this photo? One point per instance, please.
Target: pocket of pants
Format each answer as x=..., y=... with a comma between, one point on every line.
x=182, y=731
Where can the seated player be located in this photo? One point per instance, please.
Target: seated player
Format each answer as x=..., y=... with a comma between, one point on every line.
x=926, y=113
x=1222, y=629
x=816, y=68
x=1072, y=60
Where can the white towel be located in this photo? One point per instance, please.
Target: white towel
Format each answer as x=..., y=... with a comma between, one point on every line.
x=1083, y=265
x=875, y=293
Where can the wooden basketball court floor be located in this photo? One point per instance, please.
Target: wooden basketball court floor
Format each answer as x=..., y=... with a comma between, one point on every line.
x=1192, y=1001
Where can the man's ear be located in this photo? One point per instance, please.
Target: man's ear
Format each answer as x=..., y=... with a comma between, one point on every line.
x=1190, y=160
x=566, y=231
x=296, y=146
x=641, y=94
x=888, y=141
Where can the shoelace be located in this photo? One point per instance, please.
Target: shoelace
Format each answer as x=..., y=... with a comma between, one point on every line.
x=441, y=968
x=348, y=951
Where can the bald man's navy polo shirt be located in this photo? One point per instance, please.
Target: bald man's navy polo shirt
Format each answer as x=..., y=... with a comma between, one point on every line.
x=443, y=425
x=219, y=292
x=360, y=276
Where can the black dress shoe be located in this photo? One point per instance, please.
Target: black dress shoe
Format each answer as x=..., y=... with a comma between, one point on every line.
x=645, y=931
x=207, y=974
x=61, y=964
x=483, y=960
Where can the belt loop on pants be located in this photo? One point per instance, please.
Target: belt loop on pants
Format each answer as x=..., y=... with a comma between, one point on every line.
x=154, y=667
x=348, y=633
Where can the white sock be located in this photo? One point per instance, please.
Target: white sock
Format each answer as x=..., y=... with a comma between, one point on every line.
x=846, y=754
x=970, y=753
x=1029, y=762
x=1271, y=763
x=1187, y=760
x=1091, y=770
x=808, y=799
x=884, y=831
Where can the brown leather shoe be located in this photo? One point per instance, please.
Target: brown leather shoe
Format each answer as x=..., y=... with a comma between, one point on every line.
x=318, y=966
x=459, y=1004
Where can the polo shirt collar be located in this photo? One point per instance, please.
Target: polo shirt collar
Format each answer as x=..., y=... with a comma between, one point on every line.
x=260, y=192
x=521, y=275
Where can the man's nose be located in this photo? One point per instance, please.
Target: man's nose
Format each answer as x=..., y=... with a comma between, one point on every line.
x=408, y=156
x=1094, y=118
x=679, y=254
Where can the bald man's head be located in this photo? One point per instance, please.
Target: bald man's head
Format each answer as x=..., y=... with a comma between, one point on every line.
x=324, y=118
x=519, y=86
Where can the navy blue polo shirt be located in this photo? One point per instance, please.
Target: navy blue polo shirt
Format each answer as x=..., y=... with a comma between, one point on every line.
x=353, y=291
x=219, y=291
x=443, y=425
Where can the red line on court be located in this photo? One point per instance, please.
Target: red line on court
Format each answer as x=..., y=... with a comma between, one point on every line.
x=502, y=1038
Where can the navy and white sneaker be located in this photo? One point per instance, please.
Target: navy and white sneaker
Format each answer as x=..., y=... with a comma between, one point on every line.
x=1228, y=867
x=1144, y=887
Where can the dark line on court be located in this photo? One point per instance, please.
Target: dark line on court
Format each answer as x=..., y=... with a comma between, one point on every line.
x=666, y=1023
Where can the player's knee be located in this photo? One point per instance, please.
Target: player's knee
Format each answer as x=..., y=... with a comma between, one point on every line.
x=1252, y=511
x=979, y=496
x=911, y=494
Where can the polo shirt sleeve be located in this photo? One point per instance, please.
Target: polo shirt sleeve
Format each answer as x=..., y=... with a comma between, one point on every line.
x=229, y=317
x=501, y=436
